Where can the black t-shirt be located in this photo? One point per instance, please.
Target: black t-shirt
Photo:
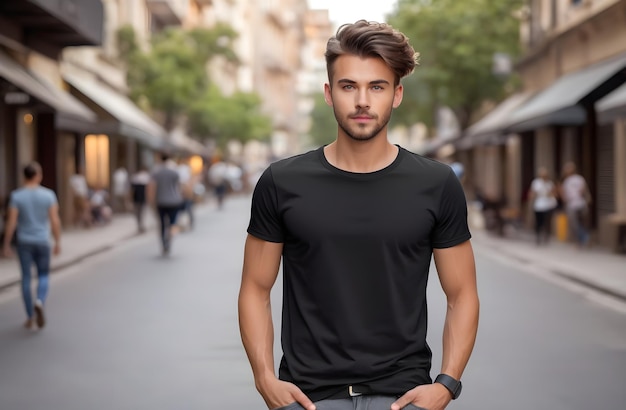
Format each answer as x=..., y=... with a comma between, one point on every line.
x=356, y=254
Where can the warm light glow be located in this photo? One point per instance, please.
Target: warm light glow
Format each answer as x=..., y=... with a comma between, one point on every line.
x=196, y=163
x=28, y=119
x=97, y=160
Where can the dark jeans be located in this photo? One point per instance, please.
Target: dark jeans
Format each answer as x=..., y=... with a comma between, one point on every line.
x=167, y=218
x=39, y=255
x=139, y=207
x=542, y=225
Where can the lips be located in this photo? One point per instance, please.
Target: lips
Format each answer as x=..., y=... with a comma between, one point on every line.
x=362, y=118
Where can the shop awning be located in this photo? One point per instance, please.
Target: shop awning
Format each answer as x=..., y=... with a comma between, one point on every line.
x=563, y=102
x=490, y=128
x=612, y=106
x=47, y=26
x=60, y=101
x=129, y=120
x=180, y=143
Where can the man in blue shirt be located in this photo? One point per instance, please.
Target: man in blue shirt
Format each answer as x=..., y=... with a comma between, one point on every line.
x=33, y=212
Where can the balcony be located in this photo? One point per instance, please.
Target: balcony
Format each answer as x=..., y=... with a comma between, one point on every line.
x=165, y=11
x=49, y=25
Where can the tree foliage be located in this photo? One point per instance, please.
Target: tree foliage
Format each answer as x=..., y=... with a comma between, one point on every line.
x=172, y=77
x=238, y=117
x=323, y=123
x=457, y=41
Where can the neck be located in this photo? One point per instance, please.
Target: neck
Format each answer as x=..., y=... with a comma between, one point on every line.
x=361, y=156
x=31, y=184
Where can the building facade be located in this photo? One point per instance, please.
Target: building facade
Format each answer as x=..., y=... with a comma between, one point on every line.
x=571, y=108
x=41, y=120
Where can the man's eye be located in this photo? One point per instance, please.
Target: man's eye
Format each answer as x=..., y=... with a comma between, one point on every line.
x=377, y=87
x=348, y=87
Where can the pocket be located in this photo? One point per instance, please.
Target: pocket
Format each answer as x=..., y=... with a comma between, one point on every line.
x=293, y=406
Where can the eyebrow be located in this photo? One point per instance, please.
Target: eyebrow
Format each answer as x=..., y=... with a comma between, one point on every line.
x=374, y=82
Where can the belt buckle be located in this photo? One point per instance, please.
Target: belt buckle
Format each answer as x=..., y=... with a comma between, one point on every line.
x=352, y=393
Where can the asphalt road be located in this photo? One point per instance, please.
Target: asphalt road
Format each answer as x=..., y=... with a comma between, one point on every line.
x=129, y=329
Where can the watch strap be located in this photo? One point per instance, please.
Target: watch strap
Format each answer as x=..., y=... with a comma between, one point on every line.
x=450, y=383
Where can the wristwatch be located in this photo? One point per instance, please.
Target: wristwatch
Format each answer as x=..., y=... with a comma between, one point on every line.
x=451, y=384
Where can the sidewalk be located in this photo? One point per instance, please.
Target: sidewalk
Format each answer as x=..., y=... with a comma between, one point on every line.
x=595, y=267
x=79, y=243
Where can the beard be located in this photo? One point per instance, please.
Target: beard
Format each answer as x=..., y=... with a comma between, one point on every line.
x=362, y=132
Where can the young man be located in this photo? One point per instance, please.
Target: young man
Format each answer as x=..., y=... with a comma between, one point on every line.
x=165, y=193
x=355, y=223
x=33, y=211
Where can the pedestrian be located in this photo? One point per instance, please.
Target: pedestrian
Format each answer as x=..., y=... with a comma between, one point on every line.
x=187, y=181
x=164, y=192
x=121, y=189
x=355, y=223
x=543, y=197
x=80, y=198
x=139, y=181
x=576, y=197
x=217, y=176
x=33, y=213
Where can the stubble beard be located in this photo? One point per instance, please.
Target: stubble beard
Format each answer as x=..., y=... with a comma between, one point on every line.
x=359, y=133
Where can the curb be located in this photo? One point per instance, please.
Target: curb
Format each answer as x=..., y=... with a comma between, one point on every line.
x=79, y=258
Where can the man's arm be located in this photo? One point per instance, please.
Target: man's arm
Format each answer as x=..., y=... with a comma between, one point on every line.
x=457, y=274
x=9, y=230
x=55, y=225
x=260, y=269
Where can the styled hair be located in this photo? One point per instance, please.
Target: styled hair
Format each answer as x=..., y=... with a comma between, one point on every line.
x=371, y=39
x=32, y=170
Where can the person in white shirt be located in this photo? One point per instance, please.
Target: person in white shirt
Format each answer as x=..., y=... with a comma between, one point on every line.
x=543, y=197
x=576, y=196
x=80, y=194
x=121, y=189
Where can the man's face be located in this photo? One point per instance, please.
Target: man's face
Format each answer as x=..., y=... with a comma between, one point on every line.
x=362, y=95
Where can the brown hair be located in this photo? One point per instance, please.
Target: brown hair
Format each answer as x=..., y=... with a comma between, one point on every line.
x=32, y=170
x=371, y=39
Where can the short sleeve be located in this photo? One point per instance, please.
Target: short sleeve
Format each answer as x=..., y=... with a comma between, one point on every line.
x=451, y=227
x=265, y=222
x=53, y=199
x=12, y=201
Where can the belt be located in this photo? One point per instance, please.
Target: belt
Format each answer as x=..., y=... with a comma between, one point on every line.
x=354, y=390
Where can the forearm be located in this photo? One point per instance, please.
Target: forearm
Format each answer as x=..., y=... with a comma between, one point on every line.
x=257, y=330
x=459, y=334
x=56, y=230
x=9, y=230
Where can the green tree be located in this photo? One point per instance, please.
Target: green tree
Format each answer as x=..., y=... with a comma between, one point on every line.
x=323, y=123
x=457, y=41
x=237, y=117
x=172, y=73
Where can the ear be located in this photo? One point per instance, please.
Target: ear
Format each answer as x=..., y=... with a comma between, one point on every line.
x=328, y=95
x=397, y=96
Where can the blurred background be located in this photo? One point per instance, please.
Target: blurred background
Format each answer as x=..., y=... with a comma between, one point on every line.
x=97, y=89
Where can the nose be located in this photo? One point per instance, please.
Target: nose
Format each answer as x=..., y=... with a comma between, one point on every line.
x=362, y=99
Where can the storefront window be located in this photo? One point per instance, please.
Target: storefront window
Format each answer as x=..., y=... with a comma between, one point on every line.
x=97, y=160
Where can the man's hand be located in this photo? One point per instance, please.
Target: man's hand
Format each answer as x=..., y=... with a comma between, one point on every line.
x=428, y=396
x=278, y=393
x=6, y=251
x=57, y=249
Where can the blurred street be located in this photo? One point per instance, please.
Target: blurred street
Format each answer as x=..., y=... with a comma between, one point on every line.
x=130, y=329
